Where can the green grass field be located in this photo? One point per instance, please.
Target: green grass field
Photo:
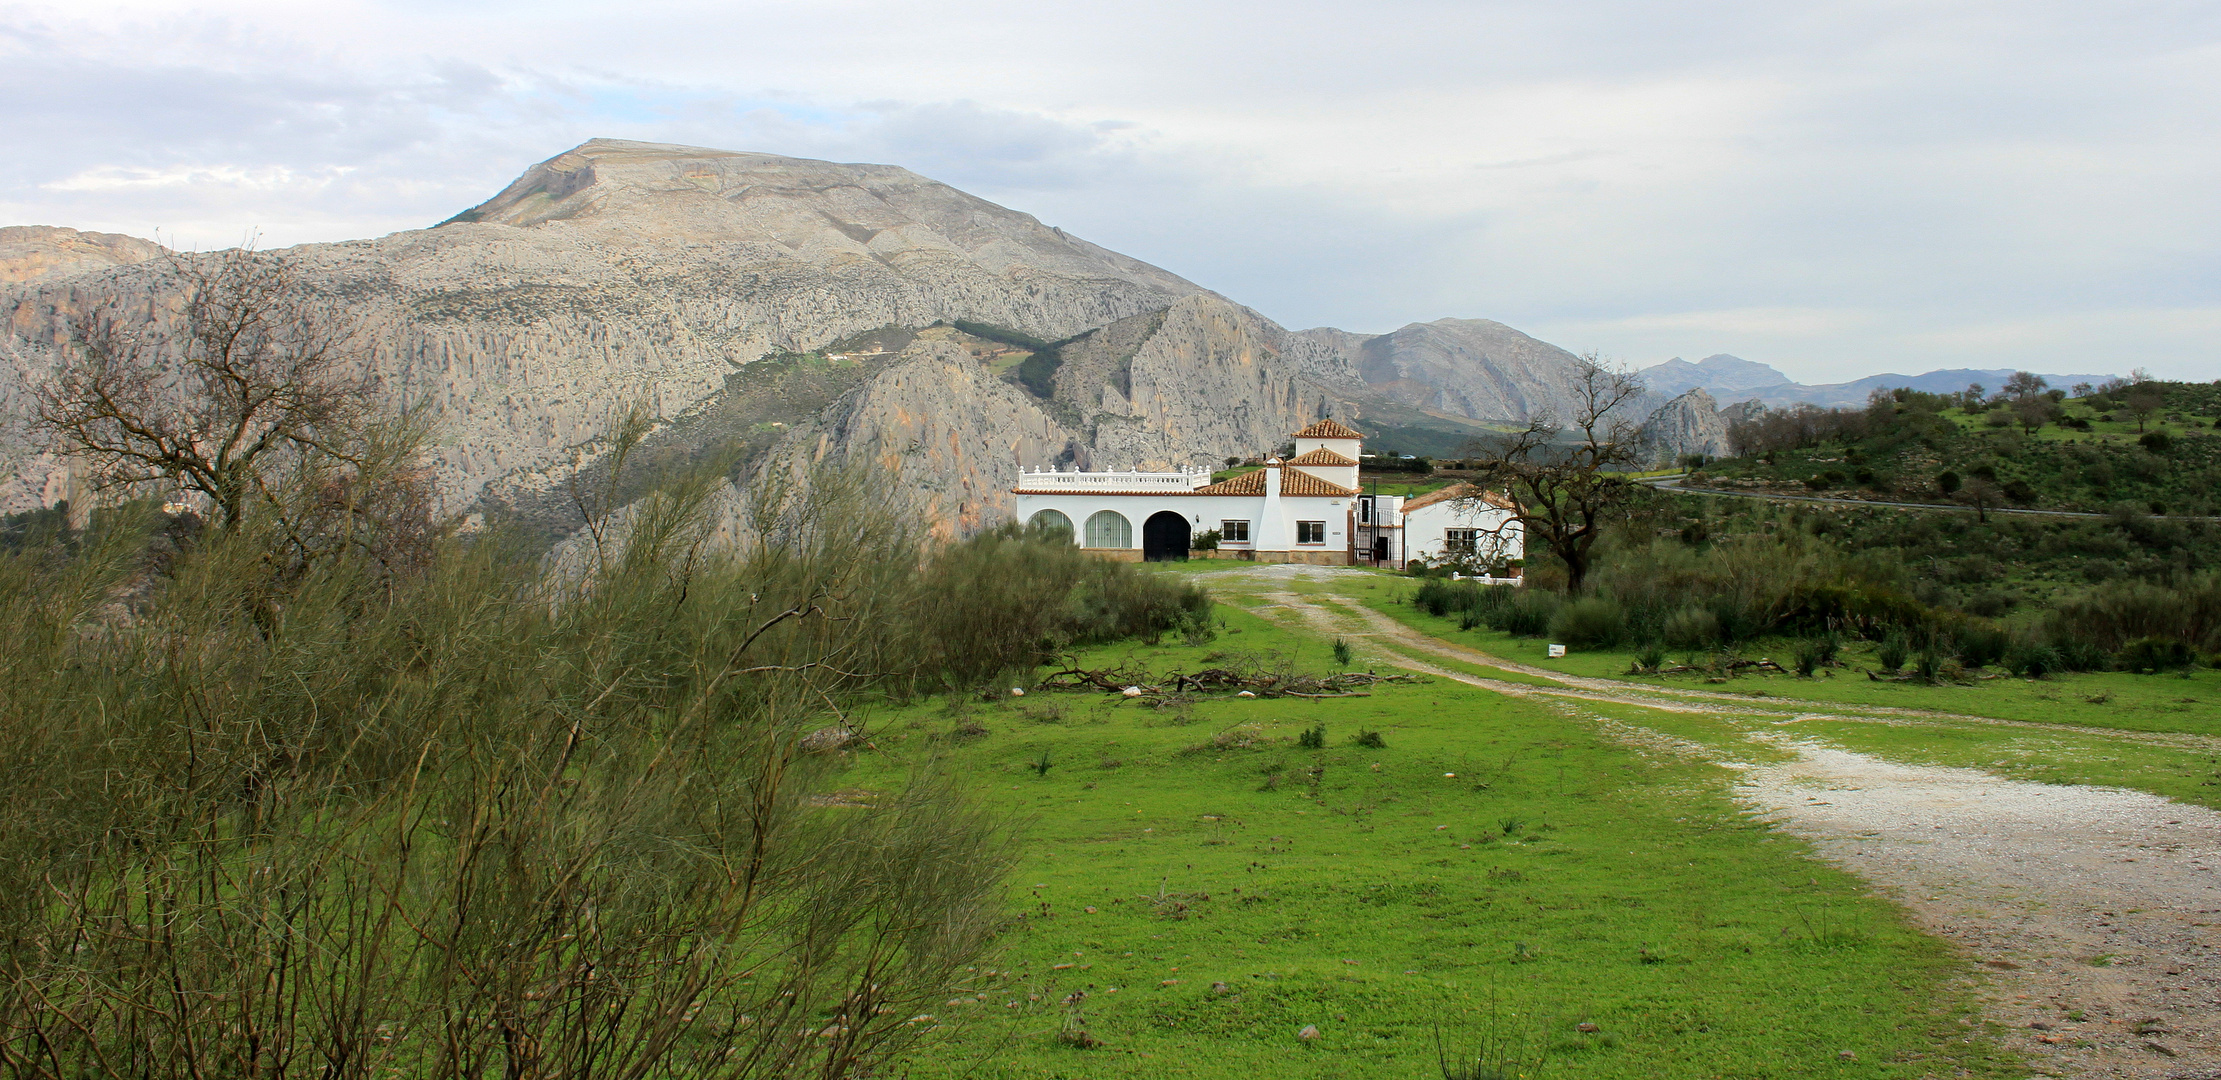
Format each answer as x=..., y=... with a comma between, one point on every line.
x=2101, y=702
x=1496, y=872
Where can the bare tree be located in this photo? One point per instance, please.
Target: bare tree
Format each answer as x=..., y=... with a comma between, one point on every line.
x=2142, y=401
x=1563, y=494
x=1983, y=495
x=249, y=381
x=2024, y=385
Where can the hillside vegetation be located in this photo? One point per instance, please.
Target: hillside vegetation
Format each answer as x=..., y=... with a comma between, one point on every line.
x=2147, y=447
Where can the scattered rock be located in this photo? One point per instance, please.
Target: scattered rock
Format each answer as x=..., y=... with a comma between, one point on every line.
x=1017, y=691
x=1309, y=1032
x=1132, y=691
x=2001, y=965
x=2158, y=1049
x=1220, y=988
x=2039, y=1025
x=824, y=739
x=1089, y=910
x=1584, y=1026
x=1245, y=693
x=1846, y=1055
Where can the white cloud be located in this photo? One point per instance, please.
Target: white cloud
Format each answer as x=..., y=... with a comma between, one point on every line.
x=1829, y=185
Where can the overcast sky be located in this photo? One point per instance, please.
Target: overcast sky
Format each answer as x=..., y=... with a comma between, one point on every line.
x=1836, y=189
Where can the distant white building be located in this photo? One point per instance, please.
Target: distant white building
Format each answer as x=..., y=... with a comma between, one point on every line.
x=1306, y=509
x=1463, y=523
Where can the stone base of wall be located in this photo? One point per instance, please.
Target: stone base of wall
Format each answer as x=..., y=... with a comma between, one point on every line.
x=1308, y=558
x=1243, y=554
x=1114, y=554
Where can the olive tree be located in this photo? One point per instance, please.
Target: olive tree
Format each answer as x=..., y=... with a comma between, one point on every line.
x=1565, y=477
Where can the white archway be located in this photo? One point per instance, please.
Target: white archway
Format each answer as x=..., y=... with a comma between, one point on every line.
x=1048, y=520
x=1109, y=529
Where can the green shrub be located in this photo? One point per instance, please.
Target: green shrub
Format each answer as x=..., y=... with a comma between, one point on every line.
x=1692, y=629
x=1370, y=740
x=1525, y=611
x=1981, y=646
x=1312, y=738
x=1808, y=657
x=1649, y=659
x=1927, y=664
x=2032, y=659
x=1590, y=622
x=2156, y=654
x=1893, y=653
x=1342, y=653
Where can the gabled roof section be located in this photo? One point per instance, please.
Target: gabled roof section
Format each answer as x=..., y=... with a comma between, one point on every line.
x=1292, y=482
x=1321, y=456
x=1327, y=429
x=1459, y=490
x=1248, y=483
x=1296, y=482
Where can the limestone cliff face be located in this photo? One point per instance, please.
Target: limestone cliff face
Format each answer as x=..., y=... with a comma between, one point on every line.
x=1208, y=381
x=617, y=273
x=35, y=252
x=1473, y=368
x=954, y=434
x=1689, y=424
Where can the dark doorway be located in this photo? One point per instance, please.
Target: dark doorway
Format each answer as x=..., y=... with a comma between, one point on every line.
x=1164, y=537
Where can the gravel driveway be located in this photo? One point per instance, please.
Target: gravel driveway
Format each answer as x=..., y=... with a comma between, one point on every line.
x=2095, y=913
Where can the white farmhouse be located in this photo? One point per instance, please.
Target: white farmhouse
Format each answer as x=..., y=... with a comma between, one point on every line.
x=1463, y=523
x=1306, y=509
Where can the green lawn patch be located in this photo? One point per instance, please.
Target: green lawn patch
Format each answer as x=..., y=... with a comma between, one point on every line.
x=1491, y=850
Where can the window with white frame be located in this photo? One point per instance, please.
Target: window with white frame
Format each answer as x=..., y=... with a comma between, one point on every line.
x=1109, y=529
x=1459, y=541
x=1310, y=532
x=1236, y=532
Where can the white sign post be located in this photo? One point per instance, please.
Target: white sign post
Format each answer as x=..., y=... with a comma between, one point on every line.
x=1557, y=651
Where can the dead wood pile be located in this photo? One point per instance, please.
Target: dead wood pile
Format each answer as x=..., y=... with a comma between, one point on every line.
x=1260, y=683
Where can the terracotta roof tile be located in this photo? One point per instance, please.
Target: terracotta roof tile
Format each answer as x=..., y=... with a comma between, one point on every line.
x=1294, y=482
x=1321, y=456
x=1248, y=483
x=1328, y=429
x=1459, y=490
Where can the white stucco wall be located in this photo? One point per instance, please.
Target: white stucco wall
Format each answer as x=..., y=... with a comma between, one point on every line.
x=1205, y=512
x=1425, y=529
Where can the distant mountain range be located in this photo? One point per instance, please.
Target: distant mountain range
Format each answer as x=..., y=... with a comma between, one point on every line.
x=1732, y=380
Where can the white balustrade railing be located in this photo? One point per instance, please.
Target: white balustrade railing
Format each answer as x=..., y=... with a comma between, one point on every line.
x=1124, y=481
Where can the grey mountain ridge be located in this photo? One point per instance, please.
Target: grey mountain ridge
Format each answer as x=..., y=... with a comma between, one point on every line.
x=626, y=272
x=1732, y=380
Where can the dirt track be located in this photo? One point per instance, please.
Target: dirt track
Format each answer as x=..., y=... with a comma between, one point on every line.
x=2095, y=912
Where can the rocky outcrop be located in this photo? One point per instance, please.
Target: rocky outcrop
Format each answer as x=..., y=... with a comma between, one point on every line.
x=954, y=434
x=1200, y=381
x=1689, y=424
x=1473, y=368
x=38, y=252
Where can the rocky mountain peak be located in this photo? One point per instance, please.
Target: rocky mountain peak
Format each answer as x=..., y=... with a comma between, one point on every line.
x=38, y=252
x=815, y=210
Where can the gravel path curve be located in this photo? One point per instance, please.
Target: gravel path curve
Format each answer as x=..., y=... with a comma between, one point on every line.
x=2094, y=912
